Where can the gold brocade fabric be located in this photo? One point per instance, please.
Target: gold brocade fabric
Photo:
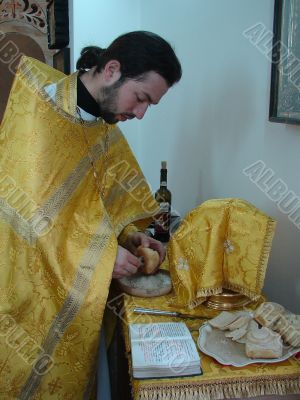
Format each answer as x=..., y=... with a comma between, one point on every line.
x=222, y=244
x=218, y=381
x=58, y=236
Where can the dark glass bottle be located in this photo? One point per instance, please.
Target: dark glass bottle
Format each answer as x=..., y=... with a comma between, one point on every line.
x=163, y=197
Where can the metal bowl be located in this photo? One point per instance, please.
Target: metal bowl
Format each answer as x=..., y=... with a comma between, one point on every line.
x=227, y=300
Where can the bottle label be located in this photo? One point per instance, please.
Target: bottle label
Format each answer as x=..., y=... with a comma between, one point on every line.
x=162, y=219
x=164, y=207
x=162, y=223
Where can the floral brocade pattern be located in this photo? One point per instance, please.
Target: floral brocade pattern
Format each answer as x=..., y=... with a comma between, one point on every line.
x=222, y=244
x=58, y=239
x=218, y=381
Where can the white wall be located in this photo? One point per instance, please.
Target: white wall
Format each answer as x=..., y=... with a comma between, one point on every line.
x=98, y=23
x=214, y=123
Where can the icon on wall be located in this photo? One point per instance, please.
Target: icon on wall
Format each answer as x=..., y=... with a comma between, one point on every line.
x=58, y=24
x=285, y=76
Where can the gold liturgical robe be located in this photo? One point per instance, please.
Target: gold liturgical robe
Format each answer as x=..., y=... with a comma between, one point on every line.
x=222, y=244
x=58, y=234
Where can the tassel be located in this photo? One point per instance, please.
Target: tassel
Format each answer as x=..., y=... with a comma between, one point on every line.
x=220, y=390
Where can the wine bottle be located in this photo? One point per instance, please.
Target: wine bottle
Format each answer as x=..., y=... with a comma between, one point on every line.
x=163, y=197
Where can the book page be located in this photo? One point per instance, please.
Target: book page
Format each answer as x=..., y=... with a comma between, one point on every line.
x=167, y=346
x=157, y=331
x=175, y=354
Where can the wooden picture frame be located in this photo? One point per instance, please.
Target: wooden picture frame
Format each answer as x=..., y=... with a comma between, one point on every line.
x=58, y=24
x=61, y=60
x=285, y=73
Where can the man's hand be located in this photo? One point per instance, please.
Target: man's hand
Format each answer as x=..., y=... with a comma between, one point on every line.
x=137, y=239
x=126, y=264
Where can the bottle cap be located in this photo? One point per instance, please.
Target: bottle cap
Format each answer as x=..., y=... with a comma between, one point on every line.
x=164, y=165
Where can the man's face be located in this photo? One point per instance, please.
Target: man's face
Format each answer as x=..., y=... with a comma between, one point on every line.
x=131, y=98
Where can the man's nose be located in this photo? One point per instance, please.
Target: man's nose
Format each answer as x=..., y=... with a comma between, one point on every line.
x=140, y=110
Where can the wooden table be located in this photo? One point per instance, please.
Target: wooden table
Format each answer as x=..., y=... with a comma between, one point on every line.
x=218, y=381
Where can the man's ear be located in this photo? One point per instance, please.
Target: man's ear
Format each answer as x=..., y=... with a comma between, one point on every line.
x=112, y=71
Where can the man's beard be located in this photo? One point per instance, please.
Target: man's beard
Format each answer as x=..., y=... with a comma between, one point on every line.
x=108, y=104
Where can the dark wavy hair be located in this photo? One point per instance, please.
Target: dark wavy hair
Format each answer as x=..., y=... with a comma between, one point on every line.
x=138, y=52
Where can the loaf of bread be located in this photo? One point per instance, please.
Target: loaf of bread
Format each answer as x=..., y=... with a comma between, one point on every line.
x=150, y=259
x=288, y=326
x=262, y=342
x=268, y=313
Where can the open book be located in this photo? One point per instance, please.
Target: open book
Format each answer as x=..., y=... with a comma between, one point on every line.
x=163, y=350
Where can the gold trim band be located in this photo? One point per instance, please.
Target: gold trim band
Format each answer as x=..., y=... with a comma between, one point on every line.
x=73, y=302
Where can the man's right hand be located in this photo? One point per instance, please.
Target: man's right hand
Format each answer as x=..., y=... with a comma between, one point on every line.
x=126, y=264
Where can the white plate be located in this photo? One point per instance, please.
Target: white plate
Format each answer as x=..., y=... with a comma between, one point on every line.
x=214, y=343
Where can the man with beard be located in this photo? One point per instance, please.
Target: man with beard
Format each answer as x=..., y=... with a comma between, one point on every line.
x=73, y=203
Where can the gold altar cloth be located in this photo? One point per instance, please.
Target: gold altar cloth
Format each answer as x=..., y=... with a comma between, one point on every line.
x=222, y=244
x=218, y=381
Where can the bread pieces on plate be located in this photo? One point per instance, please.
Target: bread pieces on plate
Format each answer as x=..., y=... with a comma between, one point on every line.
x=263, y=342
x=238, y=328
x=277, y=318
x=241, y=321
x=288, y=326
x=268, y=313
x=237, y=334
x=264, y=333
x=224, y=319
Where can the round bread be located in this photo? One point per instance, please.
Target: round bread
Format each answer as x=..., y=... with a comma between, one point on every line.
x=143, y=285
x=150, y=259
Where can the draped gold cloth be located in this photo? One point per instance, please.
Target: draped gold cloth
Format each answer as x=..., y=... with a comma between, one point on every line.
x=218, y=381
x=58, y=236
x=222, y=244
